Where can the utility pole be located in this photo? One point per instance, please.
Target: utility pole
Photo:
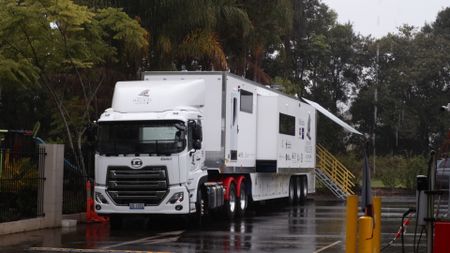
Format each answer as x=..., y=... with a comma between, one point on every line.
x=375, y=109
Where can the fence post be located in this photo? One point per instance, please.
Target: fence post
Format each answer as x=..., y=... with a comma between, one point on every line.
x=53, y=186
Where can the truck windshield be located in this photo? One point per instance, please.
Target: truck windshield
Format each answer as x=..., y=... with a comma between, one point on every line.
x=141, y=137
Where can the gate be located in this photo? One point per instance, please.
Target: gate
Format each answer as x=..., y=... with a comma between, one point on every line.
x=74, y=189
x=21, y=183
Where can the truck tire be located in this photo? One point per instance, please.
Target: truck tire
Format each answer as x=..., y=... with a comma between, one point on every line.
x=115, y=221
x=242, y=203
x=230, y=204
x=298, y=188
x=304, y=189
x=292, y=189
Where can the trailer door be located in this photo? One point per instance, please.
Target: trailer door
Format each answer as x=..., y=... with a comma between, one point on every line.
x=234, y=125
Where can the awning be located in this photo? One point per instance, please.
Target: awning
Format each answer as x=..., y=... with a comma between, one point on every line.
x=332, y=117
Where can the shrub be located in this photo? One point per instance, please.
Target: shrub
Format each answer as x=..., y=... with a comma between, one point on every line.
x=392, y=171
x=389, y=170
x=415, y=165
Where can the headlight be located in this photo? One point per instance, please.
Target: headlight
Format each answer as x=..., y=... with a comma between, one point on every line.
x=176, y=198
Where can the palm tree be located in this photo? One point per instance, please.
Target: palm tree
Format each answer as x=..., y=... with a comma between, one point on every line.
x=189, y=33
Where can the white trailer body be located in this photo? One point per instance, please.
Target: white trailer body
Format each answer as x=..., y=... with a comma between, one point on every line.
x=255, y=139
x=241, y=124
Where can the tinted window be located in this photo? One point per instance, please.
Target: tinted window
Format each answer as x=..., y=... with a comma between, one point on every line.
x=141, y=137
x=287, y=124
x=246, y=101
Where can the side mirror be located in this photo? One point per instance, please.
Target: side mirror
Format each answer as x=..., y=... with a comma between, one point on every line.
x=197, y=135
x=197, y=144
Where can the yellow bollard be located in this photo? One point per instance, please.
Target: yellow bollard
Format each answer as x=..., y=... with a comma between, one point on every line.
x=351, y=222
x=365, y=234
x=377, y=225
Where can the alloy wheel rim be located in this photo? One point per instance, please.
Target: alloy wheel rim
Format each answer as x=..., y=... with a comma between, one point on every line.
x=243, y=200
x=232, y=202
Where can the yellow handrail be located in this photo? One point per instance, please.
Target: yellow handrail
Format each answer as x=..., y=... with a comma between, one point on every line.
x=334, y=169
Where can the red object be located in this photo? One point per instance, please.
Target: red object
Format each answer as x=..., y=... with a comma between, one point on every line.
x=91, y=215
x=441, y=237
x=239, y=181
x=227, y=184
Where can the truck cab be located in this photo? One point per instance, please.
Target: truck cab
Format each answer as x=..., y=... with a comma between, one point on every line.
x=149, y=162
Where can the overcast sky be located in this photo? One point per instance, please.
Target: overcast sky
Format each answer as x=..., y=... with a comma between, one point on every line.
x=379, y=17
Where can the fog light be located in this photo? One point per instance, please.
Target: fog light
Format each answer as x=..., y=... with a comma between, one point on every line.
x=176, y=198
x=98, y=207
x=100, y=198
x=178, y=207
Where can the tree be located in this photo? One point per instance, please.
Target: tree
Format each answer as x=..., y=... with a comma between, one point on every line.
x=45, y=43
x=189, y=34
x=322, y=60
x=412, y=84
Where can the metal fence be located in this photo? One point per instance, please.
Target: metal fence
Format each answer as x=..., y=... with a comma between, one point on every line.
x=21, y=184
x=74, y=189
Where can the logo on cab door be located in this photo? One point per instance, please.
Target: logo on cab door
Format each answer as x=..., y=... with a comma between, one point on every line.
x=136, y=163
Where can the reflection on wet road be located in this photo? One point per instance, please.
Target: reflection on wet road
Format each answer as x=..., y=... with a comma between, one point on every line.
x=316, y=226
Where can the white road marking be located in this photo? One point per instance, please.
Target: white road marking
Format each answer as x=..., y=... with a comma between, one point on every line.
x=327, y=247
x=162, y=240
x=174, y=233
x=48, y=249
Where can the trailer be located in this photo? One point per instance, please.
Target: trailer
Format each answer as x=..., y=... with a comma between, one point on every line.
x=192, y=142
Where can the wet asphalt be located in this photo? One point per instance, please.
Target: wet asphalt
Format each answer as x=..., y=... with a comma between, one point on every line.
x=315, y=226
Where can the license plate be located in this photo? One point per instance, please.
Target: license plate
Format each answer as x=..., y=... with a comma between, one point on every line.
x=137, y=205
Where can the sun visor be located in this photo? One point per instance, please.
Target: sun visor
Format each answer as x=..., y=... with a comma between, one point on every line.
x=332, y=117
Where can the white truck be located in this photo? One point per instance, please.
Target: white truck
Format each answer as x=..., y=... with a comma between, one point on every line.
x=189, y=142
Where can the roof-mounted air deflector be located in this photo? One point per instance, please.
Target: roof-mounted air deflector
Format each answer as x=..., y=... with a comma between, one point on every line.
x=332, y=117
x=154, y=96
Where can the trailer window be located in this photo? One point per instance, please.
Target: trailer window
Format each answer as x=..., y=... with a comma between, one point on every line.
x=287, y=124
x=246, y=101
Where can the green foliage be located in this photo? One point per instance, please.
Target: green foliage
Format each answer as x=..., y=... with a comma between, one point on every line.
x=128, y=37
x=177, y=26
x=57, y=45
x=392, y=171
x=400, y=171
x=18, y=175
x=412, y=83
x=353, y=162
x=17, y=71
x=63, y=51
x=57, y=36
x=416, y=165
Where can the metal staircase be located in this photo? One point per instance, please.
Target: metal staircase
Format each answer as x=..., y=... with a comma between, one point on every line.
x=333, y=174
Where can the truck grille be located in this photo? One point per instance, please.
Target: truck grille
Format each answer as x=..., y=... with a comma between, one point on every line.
x=148, y=185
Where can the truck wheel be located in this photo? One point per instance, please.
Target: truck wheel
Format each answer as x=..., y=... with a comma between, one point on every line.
x=298, y=188
x=115, y=221
x=243, y=201
x=292, y=189
x=230, y=204
x=304, y=188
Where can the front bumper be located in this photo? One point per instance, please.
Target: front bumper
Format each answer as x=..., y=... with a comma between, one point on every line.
x=163, y=208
